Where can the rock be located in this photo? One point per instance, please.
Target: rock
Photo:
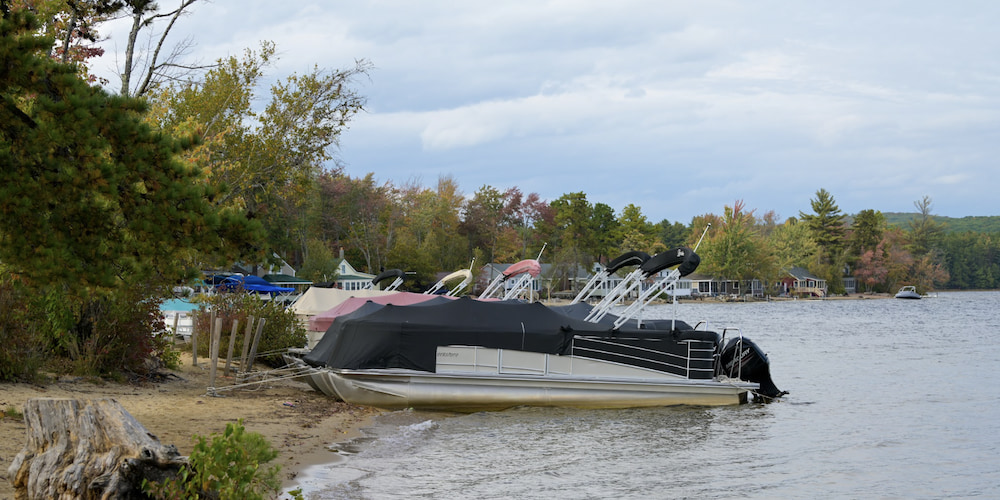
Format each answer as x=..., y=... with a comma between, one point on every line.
x=87, y=449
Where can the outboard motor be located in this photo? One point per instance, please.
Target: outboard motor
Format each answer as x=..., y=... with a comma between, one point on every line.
x=749, y=364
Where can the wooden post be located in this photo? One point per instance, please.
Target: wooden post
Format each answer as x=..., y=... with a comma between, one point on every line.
x=177, y=317
x=194, y=339
x=246, y=345
x=256, y=340
x=229, y=351
x=213, y=353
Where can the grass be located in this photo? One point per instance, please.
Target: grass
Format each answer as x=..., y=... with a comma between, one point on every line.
x=12, y=413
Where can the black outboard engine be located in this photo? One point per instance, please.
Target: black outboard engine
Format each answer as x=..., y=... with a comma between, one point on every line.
x=749, y=364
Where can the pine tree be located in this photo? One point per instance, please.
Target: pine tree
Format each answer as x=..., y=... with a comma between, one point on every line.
x=826, y=225
x=90, y=194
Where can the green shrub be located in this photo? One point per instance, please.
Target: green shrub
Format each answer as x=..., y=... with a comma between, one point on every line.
x=224, y=467
x=22, y=349
x=110, y=334
x=282, y=329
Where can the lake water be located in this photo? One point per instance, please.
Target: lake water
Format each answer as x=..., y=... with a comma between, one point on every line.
x=888, y=399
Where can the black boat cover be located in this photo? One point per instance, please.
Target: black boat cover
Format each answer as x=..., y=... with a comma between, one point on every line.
x=391, y=336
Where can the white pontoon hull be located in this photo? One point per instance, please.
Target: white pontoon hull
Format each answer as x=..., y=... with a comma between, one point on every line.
x=499, y=379
x=393, y=389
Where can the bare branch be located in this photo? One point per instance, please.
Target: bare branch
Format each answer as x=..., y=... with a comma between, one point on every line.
x=156, y=53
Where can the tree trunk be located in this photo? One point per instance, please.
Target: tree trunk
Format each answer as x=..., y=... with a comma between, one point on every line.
x=87, y=449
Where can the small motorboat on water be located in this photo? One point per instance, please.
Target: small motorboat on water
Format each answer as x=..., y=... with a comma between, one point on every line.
x=470, y=355
x=908, y=292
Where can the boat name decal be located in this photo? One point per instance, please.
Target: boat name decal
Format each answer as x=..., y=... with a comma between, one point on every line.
x=742, y=359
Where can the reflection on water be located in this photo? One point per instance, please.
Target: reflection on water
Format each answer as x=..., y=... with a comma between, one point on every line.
x=888, y=398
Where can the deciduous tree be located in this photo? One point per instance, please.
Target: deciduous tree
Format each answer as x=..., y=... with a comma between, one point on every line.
x=272, y=160
x=634, y=231
x=736, y=249
x=925, y=232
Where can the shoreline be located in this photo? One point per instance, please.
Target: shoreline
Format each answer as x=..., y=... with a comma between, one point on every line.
x=299, y=422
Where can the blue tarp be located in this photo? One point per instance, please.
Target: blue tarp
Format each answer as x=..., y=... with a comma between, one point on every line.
x=251, y=284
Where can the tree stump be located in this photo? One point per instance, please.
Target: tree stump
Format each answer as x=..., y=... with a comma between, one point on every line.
x=87, y=449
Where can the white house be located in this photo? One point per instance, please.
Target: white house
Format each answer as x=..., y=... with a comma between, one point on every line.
x=349, y=278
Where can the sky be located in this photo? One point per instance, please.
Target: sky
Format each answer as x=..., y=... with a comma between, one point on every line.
x=678, y=107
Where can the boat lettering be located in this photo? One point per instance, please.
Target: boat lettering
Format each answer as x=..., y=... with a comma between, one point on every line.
x=447, y=354
x=742, y=359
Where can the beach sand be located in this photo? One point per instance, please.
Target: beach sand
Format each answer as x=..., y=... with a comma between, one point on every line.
x=298, y=421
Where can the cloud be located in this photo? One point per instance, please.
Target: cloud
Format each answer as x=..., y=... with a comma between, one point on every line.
x=678, y=108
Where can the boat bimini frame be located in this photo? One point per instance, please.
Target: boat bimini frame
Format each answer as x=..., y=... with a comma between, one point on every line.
x=465, y=274
x=626, y=259
x=398, y=274
x=684, y=258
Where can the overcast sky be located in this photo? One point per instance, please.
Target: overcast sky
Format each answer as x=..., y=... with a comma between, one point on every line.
x=680, y=108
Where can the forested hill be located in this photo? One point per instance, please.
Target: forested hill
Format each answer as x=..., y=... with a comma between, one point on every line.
x=978, y=224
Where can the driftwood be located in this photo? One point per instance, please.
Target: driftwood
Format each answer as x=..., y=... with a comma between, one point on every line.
x=87, y=449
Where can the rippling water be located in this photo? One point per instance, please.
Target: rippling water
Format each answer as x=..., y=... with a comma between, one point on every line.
x=889, y=399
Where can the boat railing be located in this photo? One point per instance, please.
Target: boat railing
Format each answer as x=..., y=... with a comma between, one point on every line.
x=638, y=361
x=739, y=349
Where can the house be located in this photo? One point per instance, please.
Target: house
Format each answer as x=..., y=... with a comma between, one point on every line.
x=349, y=278
x=801, y=282
x=850, y=284
x=703, y=285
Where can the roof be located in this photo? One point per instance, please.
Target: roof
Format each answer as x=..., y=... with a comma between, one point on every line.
x=801, y=273
x=346, y=272
x=286, y=279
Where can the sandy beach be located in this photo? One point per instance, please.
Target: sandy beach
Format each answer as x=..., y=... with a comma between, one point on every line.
x=298, y=421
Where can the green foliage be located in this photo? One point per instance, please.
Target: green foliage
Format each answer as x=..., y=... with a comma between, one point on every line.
x=109, y=334
x=270, y=159
x=791, y=245
x=866, y=231
x=609, y=233
x=282, y=329
x=826, y=224
x=227, y=466
x=736, y=250
x=21, y=352
x=88, y=192
x=973, y=260
x=634, y=232
x=925, y=233
x=320, y=263
x=12, y=413
x=975, y=224
x=118, y=332
x=672, y=235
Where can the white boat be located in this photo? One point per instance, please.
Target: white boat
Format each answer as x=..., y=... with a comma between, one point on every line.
x=476, y=379
x=908, y=292
x=470, y=355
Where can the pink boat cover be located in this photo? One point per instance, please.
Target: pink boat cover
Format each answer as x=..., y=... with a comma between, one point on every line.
x=322, y=321
x=530, y=266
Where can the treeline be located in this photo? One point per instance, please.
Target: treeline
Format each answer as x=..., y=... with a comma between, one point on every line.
x=970, y=223
x=430, y=230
